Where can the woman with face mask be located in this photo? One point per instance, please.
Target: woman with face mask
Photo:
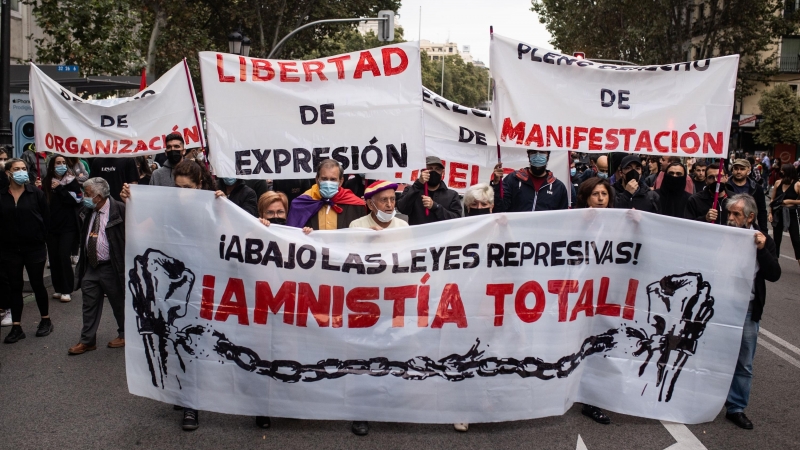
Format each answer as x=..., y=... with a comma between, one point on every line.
x=238, y=193
x=63, y=193
x=478, y=200
x=273, y=207
x=23, y=223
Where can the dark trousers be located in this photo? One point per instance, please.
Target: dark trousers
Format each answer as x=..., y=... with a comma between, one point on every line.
x=59, y=249
x=5, y=302
x=33, y=262
x=96, y=283
x=794, y=233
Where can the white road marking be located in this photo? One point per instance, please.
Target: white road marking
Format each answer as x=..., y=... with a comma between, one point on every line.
x=581, y=445
x=780, y=353
x=685, y=439
x=777, y=339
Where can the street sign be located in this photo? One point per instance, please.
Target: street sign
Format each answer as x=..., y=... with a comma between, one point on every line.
x=747, y=120
x=67, y=68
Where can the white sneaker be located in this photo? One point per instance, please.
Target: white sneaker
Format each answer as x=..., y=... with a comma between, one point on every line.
x=66, y=298
x=56, y=295
x=461, y=427
x=6, y=318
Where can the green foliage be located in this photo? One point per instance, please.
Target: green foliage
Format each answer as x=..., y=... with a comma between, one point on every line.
x=780, y=107
x=667, y=31
x=464, y=83
x=98, y=35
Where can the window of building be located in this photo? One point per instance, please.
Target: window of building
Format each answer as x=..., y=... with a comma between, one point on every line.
x=15, y=5
x=451, y=49
x=790, y=54
x=793, y=87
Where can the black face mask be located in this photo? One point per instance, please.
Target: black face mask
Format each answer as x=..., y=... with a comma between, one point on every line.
x=538, y=171
x=632, y=175
x=435, y=179
x=478, y=211
x=174, y=156
x=673, y=185
x=713, y=187
x=278, y=220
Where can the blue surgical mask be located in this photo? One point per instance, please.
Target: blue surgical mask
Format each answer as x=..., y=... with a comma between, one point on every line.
x=89, y=203
x=603, y=175
x=20, y=177
x=573, y=171
x=61, y=170
x=328, y=188
x=538, y=160
x=229, y=181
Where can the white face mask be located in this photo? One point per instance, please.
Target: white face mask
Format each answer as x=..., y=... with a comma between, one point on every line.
x=201, y=157
x=384, y=217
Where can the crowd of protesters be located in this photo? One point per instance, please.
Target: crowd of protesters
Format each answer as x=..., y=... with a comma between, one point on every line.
x=61, y=210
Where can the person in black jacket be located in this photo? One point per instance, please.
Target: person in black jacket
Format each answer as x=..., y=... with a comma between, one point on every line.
x=533, y=188
x=699, y=174
x=630, y=193
x=439, y=203
x=699, y=207
x=740, y=183
x=672, y=195
x=23, y=224
x=742, y=212
x=239, y=193
x=64, y=195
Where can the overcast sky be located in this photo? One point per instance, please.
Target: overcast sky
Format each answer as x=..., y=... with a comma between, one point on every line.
x=466, y=22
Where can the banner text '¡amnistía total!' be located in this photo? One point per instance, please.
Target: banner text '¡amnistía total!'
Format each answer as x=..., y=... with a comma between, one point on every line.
x=393, y=62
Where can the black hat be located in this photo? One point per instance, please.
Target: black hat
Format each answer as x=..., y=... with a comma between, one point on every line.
x=626, y=161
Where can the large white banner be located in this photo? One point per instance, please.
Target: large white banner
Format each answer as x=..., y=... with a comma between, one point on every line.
x=465, y=141
x=278, y=119
x=544, y=99
x=126, y=126
x=466, y=320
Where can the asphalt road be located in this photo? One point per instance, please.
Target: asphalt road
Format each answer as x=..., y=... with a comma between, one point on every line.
x=53, y=401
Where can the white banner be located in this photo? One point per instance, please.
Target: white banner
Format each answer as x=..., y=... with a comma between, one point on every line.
x=127, y=126
x=466, y=320
x=463, y=138
x=278, y=119
x=544, y=99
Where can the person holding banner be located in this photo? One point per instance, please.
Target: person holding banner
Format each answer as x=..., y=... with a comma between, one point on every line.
x=24, y=216
x=701, y=206
x=742, y=213
x=429, y=200
x=380, y=200
x=240, y=194
x=524, y=189
x=64, y=195
x=272, y=207
x=478, y=200
x=630, y=193
x=327, y=205
x=174, y=149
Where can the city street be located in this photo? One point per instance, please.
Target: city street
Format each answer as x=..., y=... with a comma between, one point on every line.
x=54, y=401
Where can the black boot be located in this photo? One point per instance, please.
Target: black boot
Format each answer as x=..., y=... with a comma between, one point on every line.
x=360, y=428
x=14, y=335
x=263, y=422
x=45, y=328
x=191, y=419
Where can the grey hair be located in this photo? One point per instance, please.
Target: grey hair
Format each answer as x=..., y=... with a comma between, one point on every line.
x=99, y=186
x=480, y=192
x=748, y=203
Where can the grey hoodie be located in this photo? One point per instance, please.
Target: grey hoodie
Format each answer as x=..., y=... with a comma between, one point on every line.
x=163, y=176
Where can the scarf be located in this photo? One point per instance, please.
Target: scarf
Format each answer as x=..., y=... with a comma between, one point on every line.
x=308, y=204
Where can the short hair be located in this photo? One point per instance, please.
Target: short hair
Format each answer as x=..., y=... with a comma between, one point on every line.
x=99, y=186
x=748, y=203
x=678, y=164
x=587, y=187
x=480, y=192
x=10, y=163
x=673, y=159
x=701, y=163
x=3, y=151
x=716, y=167
x=330, y=163
x=268, y=198
x=173, y=137
x=194, y=171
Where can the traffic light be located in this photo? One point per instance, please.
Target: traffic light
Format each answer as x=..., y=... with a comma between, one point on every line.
x=579, y=55
x=386, y=27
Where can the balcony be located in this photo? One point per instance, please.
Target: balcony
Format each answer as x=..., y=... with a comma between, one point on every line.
x=789, y=64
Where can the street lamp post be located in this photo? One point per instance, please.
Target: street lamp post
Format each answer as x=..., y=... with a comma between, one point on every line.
x=5, y=74
x=239, y=44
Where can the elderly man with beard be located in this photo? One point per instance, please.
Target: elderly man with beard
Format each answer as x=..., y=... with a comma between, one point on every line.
x=742, y=212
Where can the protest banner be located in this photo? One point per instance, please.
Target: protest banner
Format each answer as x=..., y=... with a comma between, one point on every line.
x=467, y=320
x=463, y=138
x=278, y=119
x=128, y=126
x=547, y=100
